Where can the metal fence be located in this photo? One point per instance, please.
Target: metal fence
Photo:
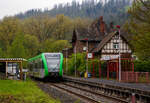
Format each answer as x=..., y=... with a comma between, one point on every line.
x=137, y=77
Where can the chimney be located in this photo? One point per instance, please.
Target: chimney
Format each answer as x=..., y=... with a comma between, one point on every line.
x=102, y=25
x=111, y=25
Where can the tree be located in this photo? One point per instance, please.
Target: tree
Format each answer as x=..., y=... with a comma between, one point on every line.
x=9, y=27
x=17, y=50
x=51, y=45
x=112, y=10
x=31, y=45
x=59, y=45
x=47, y=45
x=81, y=23
x=64, y=27
x=1, y=53
x=139, y=25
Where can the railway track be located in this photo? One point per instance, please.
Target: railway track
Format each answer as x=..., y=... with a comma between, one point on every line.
x=95, y=93
x=114, y=98
x=88, y=95
x=125, y=95
x=76, y=94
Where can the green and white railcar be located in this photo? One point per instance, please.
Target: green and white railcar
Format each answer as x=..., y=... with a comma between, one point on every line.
x=46, y=65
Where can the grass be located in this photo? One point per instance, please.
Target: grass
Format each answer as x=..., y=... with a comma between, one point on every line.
x=12, y=91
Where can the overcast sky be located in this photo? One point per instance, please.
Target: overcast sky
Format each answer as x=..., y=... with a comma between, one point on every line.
x=11, y=7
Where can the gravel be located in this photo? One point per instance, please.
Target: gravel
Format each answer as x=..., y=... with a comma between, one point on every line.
x=85, y=93
x=63, y=96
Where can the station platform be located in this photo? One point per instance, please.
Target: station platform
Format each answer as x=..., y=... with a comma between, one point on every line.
x=133, y=86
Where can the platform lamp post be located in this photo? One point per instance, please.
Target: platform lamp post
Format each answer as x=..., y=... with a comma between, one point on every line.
x=66, y=60
x=86, y=39
x=118, y=26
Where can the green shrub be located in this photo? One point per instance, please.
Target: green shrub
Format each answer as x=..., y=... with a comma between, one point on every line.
x=81, y=65
x=142, y=66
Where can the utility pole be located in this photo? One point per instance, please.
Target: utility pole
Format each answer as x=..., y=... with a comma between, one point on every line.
x=66, y=60
x=119, y=54
x=86, y=39
x=75, y=61
x=87, y=57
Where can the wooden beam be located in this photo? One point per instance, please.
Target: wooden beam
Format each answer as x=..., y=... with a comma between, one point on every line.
x=6, y=69
x=21, y=74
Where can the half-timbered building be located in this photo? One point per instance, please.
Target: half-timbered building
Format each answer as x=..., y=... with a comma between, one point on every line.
x=88, y=38
x=101, y=40
x=108, y=48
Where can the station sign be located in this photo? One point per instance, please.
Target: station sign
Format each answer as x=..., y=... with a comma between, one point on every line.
x=90, y=55
x=109, y=57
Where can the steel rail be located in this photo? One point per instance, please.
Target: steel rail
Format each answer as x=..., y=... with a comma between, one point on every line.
x=77, y=94
x=100, y=94
x=128, y=89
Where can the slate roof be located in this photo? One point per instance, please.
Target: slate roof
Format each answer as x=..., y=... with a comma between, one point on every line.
x=92, y=32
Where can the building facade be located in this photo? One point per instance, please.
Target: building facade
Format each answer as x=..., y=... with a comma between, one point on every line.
x=101, y=40
x=108, y=48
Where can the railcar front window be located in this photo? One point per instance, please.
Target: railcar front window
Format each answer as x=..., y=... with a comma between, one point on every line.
x=53, y=62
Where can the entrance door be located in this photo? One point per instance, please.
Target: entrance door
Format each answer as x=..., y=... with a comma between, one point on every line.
x=112, y=70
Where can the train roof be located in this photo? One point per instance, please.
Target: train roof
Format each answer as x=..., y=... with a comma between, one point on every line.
x=38, y=56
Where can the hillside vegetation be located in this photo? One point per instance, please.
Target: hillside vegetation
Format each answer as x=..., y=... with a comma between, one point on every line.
x=33, y=32
x=32, y=36
x=112, y=10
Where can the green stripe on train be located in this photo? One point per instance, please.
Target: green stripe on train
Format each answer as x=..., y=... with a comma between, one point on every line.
x=61, y=65
x=45, y=64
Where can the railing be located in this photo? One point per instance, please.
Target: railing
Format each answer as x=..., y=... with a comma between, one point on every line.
x=137, y=77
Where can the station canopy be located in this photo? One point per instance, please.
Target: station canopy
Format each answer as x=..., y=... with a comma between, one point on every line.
x=11, y=68
x=12, y=59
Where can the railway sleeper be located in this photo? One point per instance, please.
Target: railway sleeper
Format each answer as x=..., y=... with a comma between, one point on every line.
x=131, y=90
x=125, y=94
x=100, y=90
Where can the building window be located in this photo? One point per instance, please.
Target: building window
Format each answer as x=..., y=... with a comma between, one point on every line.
x=84, y=48
x=116, y=37
x=116, y=45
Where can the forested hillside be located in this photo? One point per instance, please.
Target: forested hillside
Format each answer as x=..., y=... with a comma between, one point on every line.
x=29, y=37
x=36, y=31
x=111, y=10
